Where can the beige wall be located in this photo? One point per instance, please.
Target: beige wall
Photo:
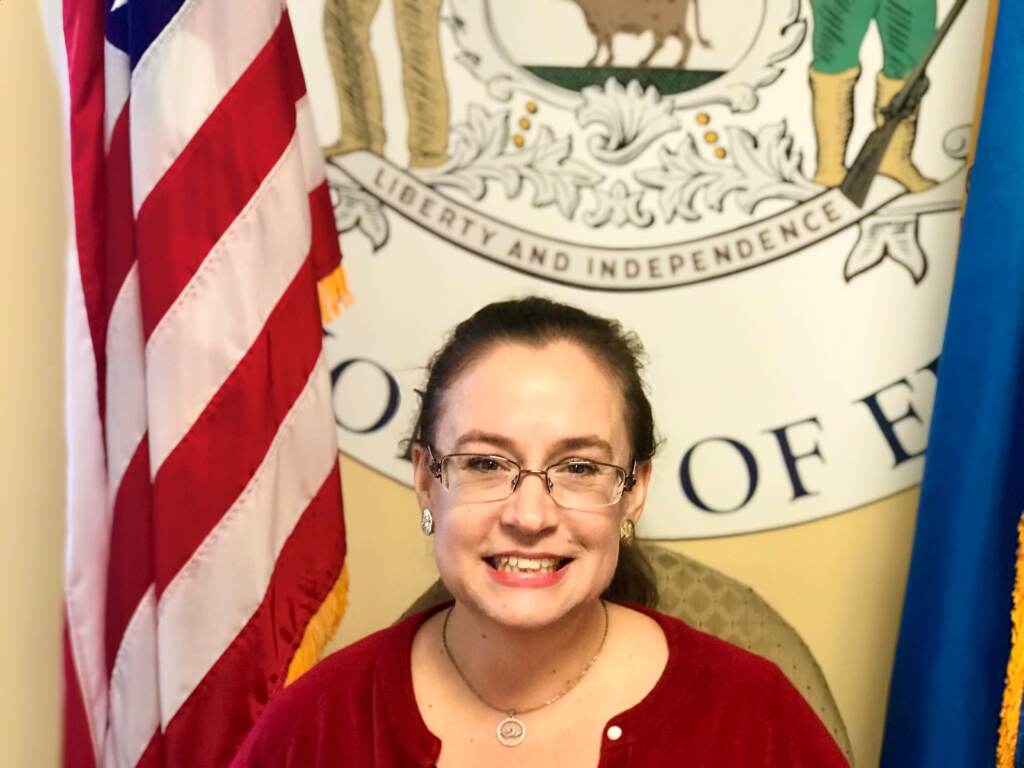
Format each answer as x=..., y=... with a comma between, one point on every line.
x=31, y=438
x=840, y=580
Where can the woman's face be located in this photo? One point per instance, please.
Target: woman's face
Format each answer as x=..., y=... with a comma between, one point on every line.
x=537, y=406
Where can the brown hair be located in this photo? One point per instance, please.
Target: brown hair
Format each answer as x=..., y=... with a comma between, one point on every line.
x=536, y=321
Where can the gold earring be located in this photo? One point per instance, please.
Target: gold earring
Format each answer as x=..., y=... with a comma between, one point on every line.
x=627, y=532
x=427, y=522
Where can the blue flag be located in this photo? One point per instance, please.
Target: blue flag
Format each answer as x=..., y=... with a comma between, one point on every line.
x=951, y=661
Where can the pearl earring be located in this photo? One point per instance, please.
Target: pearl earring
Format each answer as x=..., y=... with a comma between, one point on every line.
x=427, y=522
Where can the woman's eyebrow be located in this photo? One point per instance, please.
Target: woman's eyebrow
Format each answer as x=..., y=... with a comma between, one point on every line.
x=575, y=443
x=583, y=441
x=491, y=438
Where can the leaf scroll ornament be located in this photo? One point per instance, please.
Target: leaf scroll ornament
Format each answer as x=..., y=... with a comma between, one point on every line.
x=632, y=118
x=619, y=206
x=481, y=154
x=759, y=167
x=355, y=208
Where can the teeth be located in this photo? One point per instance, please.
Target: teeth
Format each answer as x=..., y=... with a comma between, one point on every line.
x=526, y=565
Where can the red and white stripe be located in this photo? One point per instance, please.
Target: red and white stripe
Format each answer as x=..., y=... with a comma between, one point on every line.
x=204, y=505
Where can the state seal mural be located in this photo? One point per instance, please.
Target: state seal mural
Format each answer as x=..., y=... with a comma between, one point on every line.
x=767, y=191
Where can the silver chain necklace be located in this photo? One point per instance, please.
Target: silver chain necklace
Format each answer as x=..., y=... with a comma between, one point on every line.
x=511, y=731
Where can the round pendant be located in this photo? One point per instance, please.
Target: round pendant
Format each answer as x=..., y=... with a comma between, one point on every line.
x=511, y=731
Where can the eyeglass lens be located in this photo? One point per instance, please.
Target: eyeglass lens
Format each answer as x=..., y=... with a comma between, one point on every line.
x=578, y=484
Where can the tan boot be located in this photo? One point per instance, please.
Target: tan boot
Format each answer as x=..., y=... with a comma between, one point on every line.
x=426, y=94
x=832, y=99
x=897, y=163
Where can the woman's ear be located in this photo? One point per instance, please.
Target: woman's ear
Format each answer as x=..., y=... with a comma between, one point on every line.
x=637, y=496
x=422, y=479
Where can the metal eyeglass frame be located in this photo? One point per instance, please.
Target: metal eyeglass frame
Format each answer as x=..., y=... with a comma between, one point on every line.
x=436, y=467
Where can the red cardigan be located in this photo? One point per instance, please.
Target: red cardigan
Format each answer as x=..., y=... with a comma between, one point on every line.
x=715, y=705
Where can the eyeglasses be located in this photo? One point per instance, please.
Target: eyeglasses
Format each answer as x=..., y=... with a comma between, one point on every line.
x=477, y=478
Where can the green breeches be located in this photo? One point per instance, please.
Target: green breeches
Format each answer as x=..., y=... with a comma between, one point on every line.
x=905, y=26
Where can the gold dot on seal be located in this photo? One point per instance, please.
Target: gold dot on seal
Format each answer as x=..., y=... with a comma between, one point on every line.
x=524, y=123
x=531, y=107
x=710, y=137
x=518, y=140
x=720, y=153
x=703, y=118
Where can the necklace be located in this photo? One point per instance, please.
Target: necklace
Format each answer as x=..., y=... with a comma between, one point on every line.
x=511, y=730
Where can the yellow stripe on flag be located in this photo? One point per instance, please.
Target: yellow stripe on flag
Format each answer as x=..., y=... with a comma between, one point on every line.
x=1009, y=718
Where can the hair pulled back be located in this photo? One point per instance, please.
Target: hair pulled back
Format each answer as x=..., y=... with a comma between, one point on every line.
x=536, y=321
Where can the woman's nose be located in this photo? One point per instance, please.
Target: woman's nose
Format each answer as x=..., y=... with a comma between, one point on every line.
x=530, y=508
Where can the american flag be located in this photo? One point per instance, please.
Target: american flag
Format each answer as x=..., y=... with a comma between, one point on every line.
x=205, y=537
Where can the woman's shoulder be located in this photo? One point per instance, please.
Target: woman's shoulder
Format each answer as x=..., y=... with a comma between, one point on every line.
x=360, y=657
x=349, y=664
x=336, y=683
x=696, y=647
x=723, y=676
x=343, y=670
x=336, y=690
x=724, y=692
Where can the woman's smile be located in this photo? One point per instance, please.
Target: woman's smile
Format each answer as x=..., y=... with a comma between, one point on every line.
x=527, y=571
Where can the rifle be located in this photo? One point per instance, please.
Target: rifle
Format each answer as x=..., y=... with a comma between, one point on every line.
x=865, y=167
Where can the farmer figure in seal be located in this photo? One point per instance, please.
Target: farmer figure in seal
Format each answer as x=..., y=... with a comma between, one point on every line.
x=906, y=28
x=347, y=31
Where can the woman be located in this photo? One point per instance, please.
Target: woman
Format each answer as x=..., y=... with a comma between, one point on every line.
x=531, y=462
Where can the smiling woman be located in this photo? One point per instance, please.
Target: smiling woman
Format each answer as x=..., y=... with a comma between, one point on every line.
x=531, y=463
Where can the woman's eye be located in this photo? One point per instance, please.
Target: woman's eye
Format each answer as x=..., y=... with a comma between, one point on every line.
x=482, y=464
x=581, y=468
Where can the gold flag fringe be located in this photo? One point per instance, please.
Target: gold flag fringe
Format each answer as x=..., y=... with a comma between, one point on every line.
x=321, y=628
x=333, y=292
x=1009, y=718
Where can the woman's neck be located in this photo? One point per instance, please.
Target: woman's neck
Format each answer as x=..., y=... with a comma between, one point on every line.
x=516, y=669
